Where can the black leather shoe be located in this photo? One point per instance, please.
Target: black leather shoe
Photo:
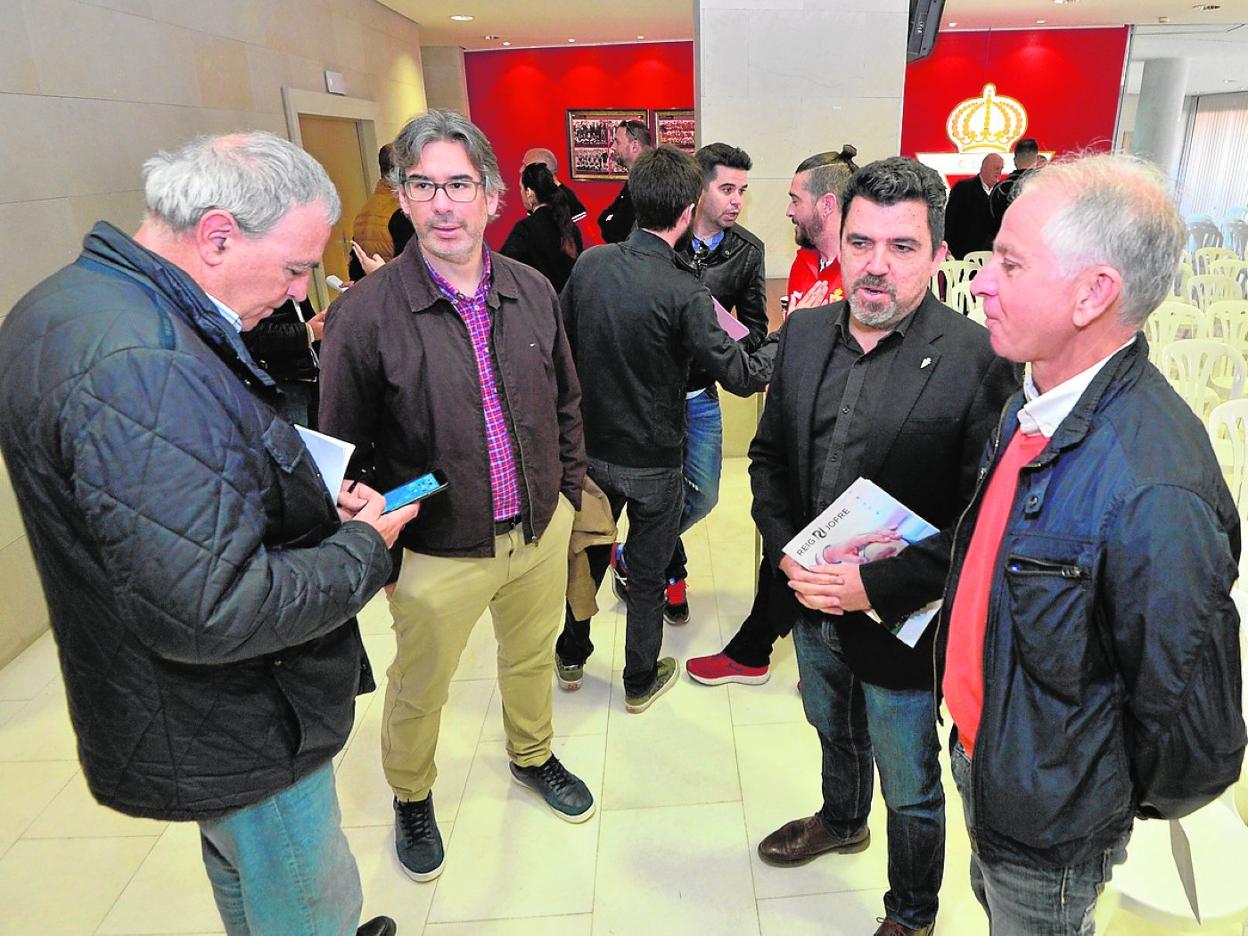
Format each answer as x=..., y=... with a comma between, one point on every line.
x=799, y=841
x=378, y=926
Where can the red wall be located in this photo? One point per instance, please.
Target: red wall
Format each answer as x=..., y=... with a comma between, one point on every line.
x=1067, y=79
x=519, y=100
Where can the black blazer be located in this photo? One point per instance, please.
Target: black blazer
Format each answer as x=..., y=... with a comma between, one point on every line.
x=924, y=450
x=968, y=218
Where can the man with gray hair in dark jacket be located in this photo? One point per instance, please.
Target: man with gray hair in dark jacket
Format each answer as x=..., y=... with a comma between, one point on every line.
x=201, y=583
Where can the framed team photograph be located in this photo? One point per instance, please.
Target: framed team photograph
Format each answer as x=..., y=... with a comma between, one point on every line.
x=589, y=142
x=676, y=127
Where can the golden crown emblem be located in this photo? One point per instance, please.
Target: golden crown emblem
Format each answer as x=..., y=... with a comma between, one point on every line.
x=989, y=123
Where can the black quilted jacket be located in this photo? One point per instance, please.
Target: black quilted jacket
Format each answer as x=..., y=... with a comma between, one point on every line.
x=200, y=586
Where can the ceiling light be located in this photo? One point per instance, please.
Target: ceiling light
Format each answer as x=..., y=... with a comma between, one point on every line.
x=641, y=37
x=1041, y=22
x=571, y=40
x=461, y=17
x=489, y=37
x=506, y=43
x=1207, y=7
x=952, y=24
x=1063, y=2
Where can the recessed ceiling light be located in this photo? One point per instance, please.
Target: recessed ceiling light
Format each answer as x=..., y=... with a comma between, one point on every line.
x=571, y=40
x=506, y=43
x=1207, y=7
x=1041, y=22
x=1063, y=2
x=461, y=17
x=489, y=37
x=953, y=24
x=641, y=37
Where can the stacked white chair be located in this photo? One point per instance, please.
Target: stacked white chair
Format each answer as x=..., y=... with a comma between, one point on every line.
x=1227, y=321
x=961, y=299
x=1171, y=321
x=951, y=272
x=979, y=257
x=1233, y=267
x=1204, y=290
x=1239, y=238
x=1206, y=255
x=1183, y=274
x=1192, y=364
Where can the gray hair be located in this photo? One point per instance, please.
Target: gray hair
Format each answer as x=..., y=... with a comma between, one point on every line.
x=453, y=127
x=256, y=176
x=1118, y=212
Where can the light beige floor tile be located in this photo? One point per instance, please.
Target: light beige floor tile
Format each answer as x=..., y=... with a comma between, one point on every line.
x=64, y=886
x=40, y=729
x=851, y=913
x=674, y=871
x=9, y=708
x=579, y=712
x=480, y=658
x=374, y=619
x=577, y=925
x=777, y=700
x=170, y=892
x=780, y=781
x=32, y=670
x=387, y=890
x=509, y=855
x=362, y=789
x=25, y=791
x=679, y=751
x=75, y=814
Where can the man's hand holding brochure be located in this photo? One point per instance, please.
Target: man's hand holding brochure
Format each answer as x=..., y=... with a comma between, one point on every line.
x=862, y=525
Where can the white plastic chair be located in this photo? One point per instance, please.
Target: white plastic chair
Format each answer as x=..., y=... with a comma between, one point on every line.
x=1234, y=268
x=1183, y=274
x=961, y=299
x=1227, y=321
x=1171, y=321
x=1228, y=432
x=951, y=272
x=1206, y=255
x=1209, y=288
x=1191, y=365
x=979, y=257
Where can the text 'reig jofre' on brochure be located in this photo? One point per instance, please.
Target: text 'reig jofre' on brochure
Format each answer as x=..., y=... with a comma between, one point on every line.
x=864, y=524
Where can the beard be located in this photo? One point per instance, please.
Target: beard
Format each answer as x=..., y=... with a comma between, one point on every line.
x=805, y=234
x=870, y=314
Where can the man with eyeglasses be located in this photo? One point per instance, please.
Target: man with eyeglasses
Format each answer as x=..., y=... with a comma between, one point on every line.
x=453, y=357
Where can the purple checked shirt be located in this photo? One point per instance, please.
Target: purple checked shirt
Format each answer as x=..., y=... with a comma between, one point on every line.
x=504, y=479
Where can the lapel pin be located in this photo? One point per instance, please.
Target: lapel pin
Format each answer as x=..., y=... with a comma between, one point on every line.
x=926, y=361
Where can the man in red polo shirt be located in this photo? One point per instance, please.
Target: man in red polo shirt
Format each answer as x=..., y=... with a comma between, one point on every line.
x=814, y=280
x=1091, y=664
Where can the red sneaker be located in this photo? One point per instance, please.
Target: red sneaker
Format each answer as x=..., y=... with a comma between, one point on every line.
x=675, y=603
x=720, y=668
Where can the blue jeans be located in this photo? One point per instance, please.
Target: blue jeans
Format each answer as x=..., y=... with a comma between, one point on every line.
x=858, y=722
x=1021, y=900
x=653, y=498
x=282, y=867
x=704, y=463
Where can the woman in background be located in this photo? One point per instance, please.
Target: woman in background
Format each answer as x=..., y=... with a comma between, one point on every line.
x=546, y=240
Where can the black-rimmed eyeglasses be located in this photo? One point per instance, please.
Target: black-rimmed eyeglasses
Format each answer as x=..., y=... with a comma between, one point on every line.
x=457, y=190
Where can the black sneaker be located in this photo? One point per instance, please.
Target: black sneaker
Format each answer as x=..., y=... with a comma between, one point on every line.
x=675, y=603
x=564, y=792
x=417, y=839
x=378, y=926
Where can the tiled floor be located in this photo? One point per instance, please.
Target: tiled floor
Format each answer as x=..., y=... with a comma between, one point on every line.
x=686, y=790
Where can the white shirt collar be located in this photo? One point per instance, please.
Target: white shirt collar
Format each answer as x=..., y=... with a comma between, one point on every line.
x=227, y=313
x=987, y=188
x=1044, y=412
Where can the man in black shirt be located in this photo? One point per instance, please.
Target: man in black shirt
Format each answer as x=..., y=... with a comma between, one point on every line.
x=1026, y=159
x=630, y=143
x=893, y=386
x=968, y=219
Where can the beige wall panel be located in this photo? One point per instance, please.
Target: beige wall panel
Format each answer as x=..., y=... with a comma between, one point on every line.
x=446, y=84
x=23, y=614
x=41, y=238
x=221, y=67
x=269, y=72
x=17, y=63
x=243, y=20
x=135, y=7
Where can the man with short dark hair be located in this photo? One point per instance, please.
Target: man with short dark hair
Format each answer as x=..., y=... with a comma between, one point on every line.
x=201, y=587
x=453, y=357
x=1026, y=160
x=968, y=218
x=629, y=142
x=539, y=154
x=729, y=260
x=1089, y=642
x=635, y=321
x=895, y=387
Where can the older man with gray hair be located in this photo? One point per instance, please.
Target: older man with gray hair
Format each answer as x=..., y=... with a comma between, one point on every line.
x=201, y=585
x=1090, y=644
x=453, y=357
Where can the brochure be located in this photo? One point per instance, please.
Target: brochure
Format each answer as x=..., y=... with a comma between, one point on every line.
x=864, y=524
x=331, y=457
x=736, y=331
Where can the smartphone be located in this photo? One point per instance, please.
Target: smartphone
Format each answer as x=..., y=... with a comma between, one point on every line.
x=417, y=489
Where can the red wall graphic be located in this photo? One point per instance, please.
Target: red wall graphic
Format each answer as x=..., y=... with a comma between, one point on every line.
x=1067, y=80
x=520, y=98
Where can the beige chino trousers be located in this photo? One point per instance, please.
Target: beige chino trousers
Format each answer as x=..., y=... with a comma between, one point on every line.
x=434, y=605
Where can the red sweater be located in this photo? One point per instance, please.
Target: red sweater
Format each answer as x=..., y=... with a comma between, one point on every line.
x=805, y=273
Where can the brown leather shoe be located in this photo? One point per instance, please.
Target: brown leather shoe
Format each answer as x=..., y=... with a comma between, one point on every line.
x=893, y=928
x=799, y=841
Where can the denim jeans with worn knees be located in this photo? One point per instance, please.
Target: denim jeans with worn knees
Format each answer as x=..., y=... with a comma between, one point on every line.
x=1022, y=900
x=282, y=867
x=859, y=723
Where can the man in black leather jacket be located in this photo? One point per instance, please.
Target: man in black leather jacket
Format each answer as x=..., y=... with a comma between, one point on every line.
x=1091, y=647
